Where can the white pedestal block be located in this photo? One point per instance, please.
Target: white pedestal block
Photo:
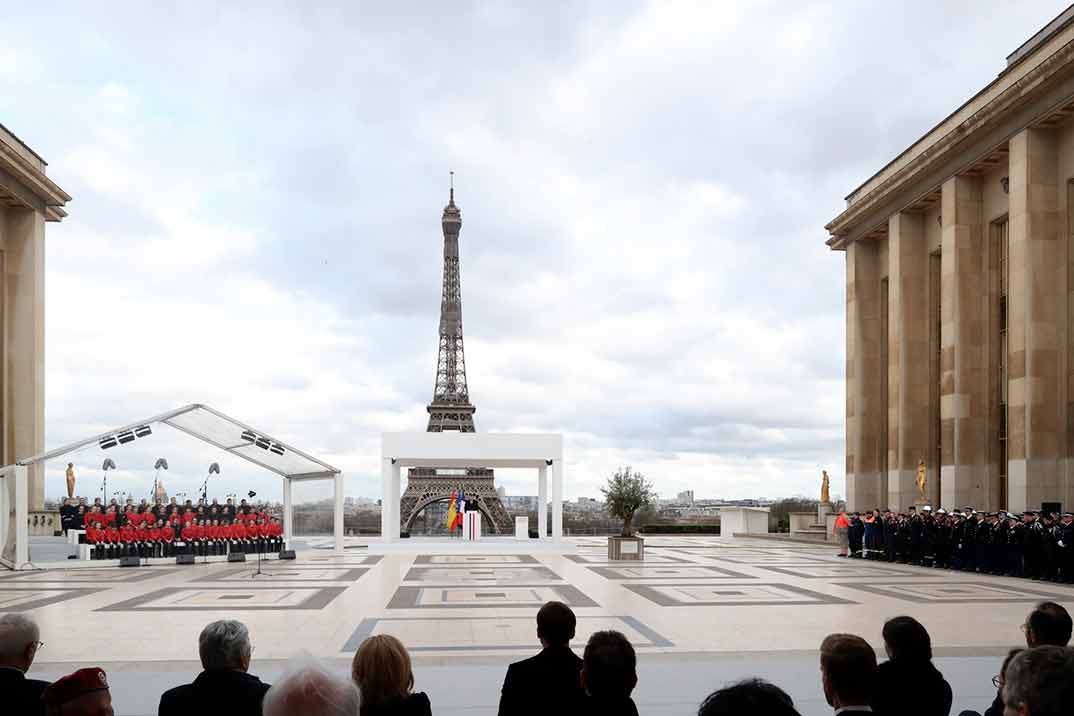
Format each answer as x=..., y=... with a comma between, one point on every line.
x=522, y=528
x=471, y=526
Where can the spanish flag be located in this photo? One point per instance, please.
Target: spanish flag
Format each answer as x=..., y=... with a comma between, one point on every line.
x=451, y=513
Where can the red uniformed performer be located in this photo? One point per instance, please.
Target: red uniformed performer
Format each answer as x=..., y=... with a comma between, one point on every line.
x=95, y=536
x=154, y=540
x=114, y=542
x=187, y=535
x=129, y=538
x=236, y=535
x=141, y=539
x=167, y=540
x=253, y=535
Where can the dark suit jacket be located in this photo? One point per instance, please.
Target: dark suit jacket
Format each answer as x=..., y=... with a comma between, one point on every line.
x=590, y=706
x=22, y=693
x=413, y=705
x=543, y=684
x=916, y=687
x=217, y=692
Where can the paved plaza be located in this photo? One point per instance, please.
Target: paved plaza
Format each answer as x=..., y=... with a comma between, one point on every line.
x=700, y=611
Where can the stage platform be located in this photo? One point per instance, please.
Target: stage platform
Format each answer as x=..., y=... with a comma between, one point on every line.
x=701, y=611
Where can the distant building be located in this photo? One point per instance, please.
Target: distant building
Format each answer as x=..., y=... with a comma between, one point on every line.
x=687, y=496
x=502, y=492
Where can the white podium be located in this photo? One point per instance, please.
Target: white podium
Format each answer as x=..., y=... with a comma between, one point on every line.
x=471, y=526
x=522, y=527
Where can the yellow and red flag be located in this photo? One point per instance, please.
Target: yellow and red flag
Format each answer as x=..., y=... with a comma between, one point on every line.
x=452, y=513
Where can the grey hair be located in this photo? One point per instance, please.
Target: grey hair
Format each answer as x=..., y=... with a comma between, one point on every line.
x=1041, y=679
x=17, y=630
x=308, y=688
x=224, y=644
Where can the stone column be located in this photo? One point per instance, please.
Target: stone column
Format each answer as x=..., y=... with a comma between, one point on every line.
x=23, y=321
x=864, y=421
x=965, y=394
x=1034, y=326
x=908, y=358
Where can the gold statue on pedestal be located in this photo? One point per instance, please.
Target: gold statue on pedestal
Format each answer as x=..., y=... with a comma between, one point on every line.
x=70, y=480
x=824, y=496
x=922, y=482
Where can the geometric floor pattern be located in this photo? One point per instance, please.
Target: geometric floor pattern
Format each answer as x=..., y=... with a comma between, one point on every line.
x=691, y=594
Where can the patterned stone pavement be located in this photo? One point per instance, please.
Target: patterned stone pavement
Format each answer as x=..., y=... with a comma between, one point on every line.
x=693, y=598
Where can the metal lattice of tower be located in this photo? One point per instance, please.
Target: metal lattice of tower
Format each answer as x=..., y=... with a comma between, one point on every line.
x=451, y=408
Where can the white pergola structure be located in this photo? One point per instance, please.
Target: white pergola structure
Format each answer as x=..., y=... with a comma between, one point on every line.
x=198, y=421
x=543, y=452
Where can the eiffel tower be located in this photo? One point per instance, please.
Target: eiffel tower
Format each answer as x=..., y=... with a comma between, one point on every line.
x=451, y=408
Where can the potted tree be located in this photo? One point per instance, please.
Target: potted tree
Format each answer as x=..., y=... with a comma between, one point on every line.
x=625, y=494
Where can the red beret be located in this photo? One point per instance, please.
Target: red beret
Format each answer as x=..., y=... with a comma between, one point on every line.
x=72, y=686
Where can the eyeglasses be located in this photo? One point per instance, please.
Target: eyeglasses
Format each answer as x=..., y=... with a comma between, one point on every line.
x=997, y=680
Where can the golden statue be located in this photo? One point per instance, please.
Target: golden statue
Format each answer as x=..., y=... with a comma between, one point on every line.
x=922, y=482
x=824, y=496
x=70, y=479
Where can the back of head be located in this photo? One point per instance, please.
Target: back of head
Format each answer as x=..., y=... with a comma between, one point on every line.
x=907, y=640
x=1048, y=624
x=752, y=696
x=848, y=664
x=308, y=688
x=1040, y=681
x=224, y=644
x=17, y=633
x=609, y=665
x=83, y=693
x=556, y=624
x=381, y=669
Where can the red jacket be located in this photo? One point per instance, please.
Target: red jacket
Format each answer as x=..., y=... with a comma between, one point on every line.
x=94, y=535
x=141, y=534
x=112, y=535
x=126, y=533
x=167, y=534
x=189, y=533
x=154, y=534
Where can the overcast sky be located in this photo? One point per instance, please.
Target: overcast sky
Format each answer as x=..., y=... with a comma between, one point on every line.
x=256, y=220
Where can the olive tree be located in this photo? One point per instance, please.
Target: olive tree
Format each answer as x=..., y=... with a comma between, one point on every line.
x=626, y=493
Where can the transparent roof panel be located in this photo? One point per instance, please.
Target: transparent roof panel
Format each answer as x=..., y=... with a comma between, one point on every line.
x=226, y=433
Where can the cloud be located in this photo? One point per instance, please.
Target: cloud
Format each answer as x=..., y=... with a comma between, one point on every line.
x=643, y=187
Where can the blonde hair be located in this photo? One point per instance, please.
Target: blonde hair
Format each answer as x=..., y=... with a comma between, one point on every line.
x=381, y=668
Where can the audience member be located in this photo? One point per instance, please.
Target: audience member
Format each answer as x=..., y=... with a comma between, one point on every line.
x=83, y=693
x=224, y=687
x=848, y=671
x=752, y=696
x=18, y=646
x=908, y=682
x=310, y=689
x=547, y=682
x=1040, y=682
x=609, y=675
x=1048, y=624
x=381, y=669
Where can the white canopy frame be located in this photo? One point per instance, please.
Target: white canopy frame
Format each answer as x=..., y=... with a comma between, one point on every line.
x=540, y=451
x=199, y=421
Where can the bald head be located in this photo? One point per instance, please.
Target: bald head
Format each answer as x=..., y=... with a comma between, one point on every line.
x=19, y=637
x=310, y=689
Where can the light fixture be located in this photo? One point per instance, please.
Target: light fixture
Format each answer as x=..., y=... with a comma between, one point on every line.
x=125, y=437
x=1005, y=182
x=249, y=436
x=143, y=431
x=276, y=448
x=214, y=469
x=108, y=464
x=262, y=443
x=160, y=463
x=108, y=442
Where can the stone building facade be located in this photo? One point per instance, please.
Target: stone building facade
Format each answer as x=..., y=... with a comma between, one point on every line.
x=28, y=199
x=960, y=299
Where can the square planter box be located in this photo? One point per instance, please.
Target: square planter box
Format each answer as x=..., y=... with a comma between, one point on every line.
x=632, y=548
